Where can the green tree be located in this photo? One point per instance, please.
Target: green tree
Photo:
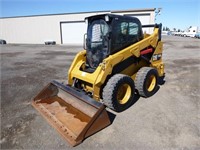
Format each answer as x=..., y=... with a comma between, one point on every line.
x=164, y=29
x=167, y=29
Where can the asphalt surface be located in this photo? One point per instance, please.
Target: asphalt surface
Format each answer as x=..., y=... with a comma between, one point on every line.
x=170, y=119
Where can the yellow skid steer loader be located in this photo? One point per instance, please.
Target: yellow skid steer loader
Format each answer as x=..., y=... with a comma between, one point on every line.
x=118, y=60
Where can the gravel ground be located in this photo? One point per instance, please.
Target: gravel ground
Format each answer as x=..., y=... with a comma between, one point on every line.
x=168, y=120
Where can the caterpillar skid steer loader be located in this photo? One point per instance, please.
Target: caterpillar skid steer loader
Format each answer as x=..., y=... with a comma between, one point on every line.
x=118, y=60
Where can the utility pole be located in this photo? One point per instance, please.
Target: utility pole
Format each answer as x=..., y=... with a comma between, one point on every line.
x=157, y=12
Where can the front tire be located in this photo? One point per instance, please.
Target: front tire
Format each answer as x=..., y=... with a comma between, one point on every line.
x=119, y=92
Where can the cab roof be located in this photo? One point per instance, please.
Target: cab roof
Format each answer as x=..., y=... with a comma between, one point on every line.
x=111, y=16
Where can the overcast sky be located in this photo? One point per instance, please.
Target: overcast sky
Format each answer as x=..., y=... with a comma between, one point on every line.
x=178, y=14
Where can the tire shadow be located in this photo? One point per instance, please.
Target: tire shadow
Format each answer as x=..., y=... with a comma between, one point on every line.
x=161, y=80
x=135, y=99
x=111, y=116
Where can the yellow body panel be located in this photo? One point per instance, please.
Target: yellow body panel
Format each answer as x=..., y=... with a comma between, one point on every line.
x=97, y=79
x=158, y=63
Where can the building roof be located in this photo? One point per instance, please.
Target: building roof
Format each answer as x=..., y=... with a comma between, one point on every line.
x=133, y=10
x=106, y=11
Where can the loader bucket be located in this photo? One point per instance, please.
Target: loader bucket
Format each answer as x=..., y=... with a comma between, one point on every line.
x=74, y=114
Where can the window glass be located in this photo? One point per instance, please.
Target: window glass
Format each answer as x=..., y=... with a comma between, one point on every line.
x=125, y=33
x=133, y=28
x=124, y=28
x=97, y=42
x=99, y=29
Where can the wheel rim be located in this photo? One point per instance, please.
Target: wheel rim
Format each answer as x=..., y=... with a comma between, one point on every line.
x=151, y=83
x=124, y=94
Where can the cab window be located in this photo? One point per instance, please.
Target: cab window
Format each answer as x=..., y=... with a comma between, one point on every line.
x=125, y=33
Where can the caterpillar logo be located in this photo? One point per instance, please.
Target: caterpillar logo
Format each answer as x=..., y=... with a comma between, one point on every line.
x=156, y=57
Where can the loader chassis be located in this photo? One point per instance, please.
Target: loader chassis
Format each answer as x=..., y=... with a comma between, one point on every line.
x=114, y=46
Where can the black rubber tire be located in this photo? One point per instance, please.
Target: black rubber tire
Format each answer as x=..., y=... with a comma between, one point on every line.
x=111, y=91
x=142, y=78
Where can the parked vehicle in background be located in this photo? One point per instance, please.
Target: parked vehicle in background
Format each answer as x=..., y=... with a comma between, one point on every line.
x=190, y=32
x=197, y=35
x=177, y=33
x=166, y=33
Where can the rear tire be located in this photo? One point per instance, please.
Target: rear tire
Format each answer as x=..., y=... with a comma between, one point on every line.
x=119, y=92
x=146, y=81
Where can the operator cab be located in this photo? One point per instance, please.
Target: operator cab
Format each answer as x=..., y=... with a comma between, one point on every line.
x=108, y=34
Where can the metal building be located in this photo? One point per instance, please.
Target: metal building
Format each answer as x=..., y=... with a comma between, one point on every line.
x=68, y=28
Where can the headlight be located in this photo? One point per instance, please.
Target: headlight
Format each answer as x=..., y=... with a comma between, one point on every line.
x=86, y=21
x=106, y=18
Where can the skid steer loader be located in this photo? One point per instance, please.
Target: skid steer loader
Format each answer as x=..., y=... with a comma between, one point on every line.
x=118, y=61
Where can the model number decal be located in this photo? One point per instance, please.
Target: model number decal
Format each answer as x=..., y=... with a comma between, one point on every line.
x=157, y=57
